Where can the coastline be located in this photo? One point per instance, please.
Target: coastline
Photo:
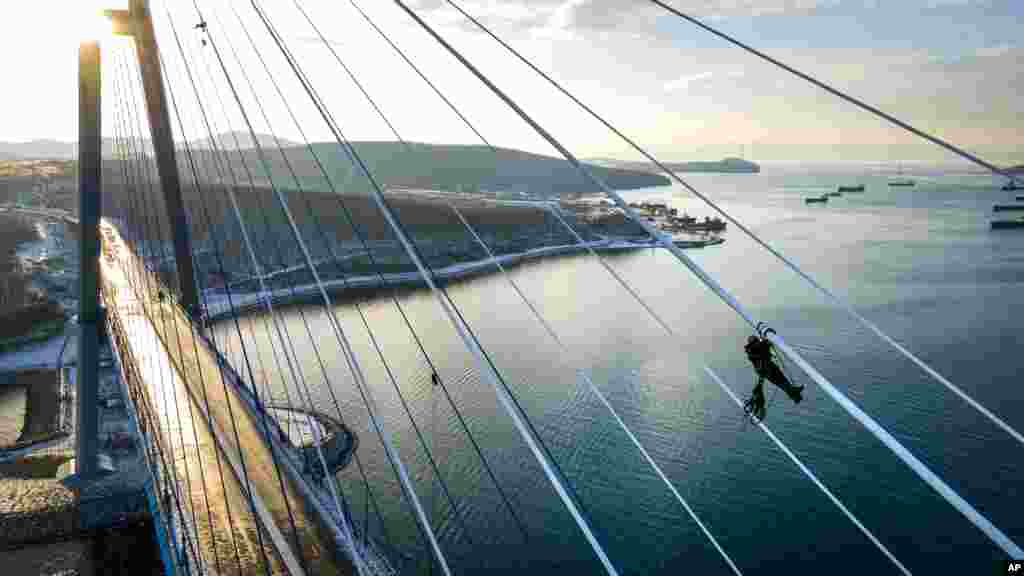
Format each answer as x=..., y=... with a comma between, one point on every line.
x=217, y=300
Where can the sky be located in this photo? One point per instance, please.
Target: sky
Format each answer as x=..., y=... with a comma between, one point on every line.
x=954, y=68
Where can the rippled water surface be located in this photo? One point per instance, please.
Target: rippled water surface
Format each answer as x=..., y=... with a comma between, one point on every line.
x=920, y=262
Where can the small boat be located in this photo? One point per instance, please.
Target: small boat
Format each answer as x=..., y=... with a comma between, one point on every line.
x=1018, y=223
x=690, y=224
x=901, y=181
x=693, y=243
x=1020, y=198
x=834, y=194
x=1013, y=185
x=708, y=225
x=1007, y=207
x=851, y=189
x=816, y=199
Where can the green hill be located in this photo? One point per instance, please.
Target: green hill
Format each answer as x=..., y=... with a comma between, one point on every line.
x=430, y=166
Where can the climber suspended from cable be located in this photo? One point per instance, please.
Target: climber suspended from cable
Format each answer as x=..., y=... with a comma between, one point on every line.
x=761, y=354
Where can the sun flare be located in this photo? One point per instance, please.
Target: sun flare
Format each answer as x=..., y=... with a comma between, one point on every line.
x=56, y=25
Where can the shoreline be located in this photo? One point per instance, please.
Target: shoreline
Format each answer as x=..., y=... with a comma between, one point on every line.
x=217, y=301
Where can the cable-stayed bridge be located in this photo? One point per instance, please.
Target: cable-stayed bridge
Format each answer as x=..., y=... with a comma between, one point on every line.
x=280, y=431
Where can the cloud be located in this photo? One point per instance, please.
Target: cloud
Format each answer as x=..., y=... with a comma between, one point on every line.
x=547, y=17
x=685, y=81
x=560, y=17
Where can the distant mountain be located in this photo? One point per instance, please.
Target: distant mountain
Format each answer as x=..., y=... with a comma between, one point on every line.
x=732, y=165
x=56, y=149
x=241, y=141
x=428, y=166
x=37, y=149
x=727, y=165
x=431, y=166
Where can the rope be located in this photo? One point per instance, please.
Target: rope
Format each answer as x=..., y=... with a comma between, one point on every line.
x=926, y=474
x=487, y=369
x=807, y=472
x=846, y=306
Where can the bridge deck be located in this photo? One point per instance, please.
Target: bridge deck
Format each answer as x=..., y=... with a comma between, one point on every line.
x=183, y=381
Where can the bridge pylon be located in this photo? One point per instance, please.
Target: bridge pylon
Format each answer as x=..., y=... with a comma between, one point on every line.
x=137, y=23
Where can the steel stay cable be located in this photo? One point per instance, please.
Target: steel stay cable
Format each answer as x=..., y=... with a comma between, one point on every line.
x=286, y=342
x=358, y=307
x=205, y=398
x=118, y=98
x=217, y=455
x=835, y=500
x=382, y=283
x=421, y=74
x=990, y=530
x=265, y=416
x=174, y=395
x=842, y=303
x=934, y=140
x=370, y=496
x=593, y=387
x=348, y=352
x=276, y=320
x=285, y=554
x=133, y=124
x=511, y=406
x=125, y=71
x=399, y=227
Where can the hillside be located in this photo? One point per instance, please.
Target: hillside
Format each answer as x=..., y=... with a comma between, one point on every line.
x=240, y=141
x=431, y=166
x=37, y=149
x=726, y=165
x=56, y=149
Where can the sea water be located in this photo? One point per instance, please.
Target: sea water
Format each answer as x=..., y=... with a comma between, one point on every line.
x=921, y=262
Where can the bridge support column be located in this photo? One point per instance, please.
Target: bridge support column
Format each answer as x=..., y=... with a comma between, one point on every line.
x=89, y=317
x=136, y=22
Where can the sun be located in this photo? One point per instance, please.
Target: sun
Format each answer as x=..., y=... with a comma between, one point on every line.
x=48, y=25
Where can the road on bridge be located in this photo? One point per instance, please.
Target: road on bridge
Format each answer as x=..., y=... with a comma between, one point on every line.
x=183, y=382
